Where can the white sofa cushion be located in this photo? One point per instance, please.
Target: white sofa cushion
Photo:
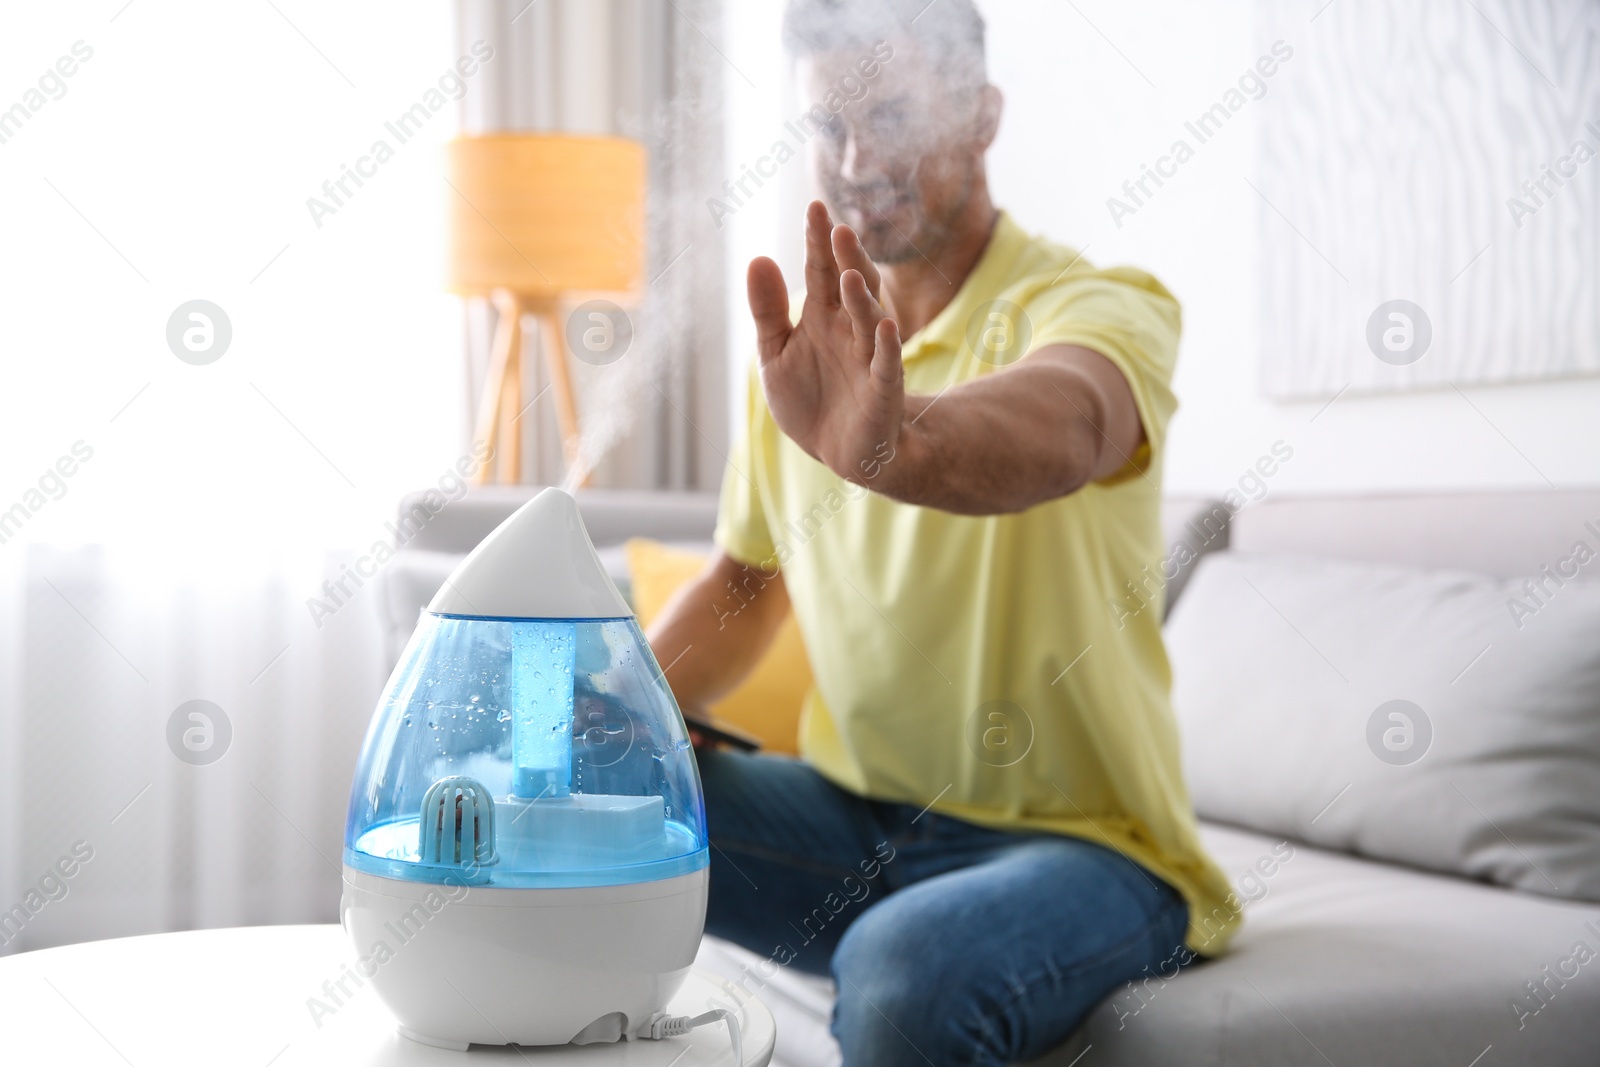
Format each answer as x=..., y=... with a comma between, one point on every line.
x=1416, y=716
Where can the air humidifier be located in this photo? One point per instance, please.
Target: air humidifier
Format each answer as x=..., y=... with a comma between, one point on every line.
x=525, y=857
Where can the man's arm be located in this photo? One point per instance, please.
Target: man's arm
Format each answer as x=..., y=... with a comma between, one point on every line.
x=1059, y=418
x=709, y=638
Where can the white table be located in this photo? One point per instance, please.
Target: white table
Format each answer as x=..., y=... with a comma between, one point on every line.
x=240, y=997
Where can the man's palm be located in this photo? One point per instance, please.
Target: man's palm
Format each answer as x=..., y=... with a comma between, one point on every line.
x=833, y=380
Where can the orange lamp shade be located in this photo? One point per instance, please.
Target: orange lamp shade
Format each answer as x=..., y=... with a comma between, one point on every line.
x=542, y=214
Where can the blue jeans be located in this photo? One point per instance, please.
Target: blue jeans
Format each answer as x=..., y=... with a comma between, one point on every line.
x=950, y=943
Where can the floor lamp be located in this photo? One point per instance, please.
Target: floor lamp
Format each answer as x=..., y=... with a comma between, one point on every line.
x=536, y=218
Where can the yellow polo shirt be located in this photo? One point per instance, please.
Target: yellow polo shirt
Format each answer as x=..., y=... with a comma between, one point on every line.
x=997, y=668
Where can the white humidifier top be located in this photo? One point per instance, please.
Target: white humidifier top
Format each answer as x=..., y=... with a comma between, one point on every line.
x=538, y=564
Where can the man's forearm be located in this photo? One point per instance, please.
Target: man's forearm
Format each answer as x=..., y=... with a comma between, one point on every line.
x=1008, y=441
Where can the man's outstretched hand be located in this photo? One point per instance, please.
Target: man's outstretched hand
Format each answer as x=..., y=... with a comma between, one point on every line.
x=833, y=381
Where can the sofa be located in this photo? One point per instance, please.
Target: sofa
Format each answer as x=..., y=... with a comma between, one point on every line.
x=1408, y=919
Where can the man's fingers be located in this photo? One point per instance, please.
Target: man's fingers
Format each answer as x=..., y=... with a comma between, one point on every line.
x=886, y=367
x=849, y=255
x=769, y=306
x=822, y=272
x=865, y=314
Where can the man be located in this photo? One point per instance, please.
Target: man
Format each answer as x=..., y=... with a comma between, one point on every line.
x=950, y=474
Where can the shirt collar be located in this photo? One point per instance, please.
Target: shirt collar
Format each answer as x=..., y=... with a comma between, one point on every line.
x=988, y=277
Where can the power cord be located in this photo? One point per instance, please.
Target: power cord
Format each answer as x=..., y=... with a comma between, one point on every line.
x=658, y=1025
x=662, y=1025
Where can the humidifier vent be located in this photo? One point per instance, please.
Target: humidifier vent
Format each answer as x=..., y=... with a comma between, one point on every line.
x=457, y=825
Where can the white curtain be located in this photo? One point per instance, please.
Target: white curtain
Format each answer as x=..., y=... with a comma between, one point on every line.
x=646, y=69
x=98, y=654
x=165, y=526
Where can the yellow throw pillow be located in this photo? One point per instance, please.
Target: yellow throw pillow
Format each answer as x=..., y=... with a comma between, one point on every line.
x=767, y=703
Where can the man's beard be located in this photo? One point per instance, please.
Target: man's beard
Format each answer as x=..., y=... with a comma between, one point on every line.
x=888, y=243
x=888, y=246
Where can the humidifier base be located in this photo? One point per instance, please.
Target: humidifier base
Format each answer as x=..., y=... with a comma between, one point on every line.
x=478, y=964
x=434, y=1042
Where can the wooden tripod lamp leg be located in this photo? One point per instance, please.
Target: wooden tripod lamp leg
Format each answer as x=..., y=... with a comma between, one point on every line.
x=500, y=408
x=487, y=426
x=508, y=450
x=555, y=353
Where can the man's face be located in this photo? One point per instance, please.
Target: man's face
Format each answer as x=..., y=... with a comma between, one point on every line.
x=897, y=162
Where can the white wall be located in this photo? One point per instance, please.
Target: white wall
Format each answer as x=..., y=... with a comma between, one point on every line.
x=1097, y=89
x=183, y=155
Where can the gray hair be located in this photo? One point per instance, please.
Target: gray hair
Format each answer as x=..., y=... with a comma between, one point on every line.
x=949, y=32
